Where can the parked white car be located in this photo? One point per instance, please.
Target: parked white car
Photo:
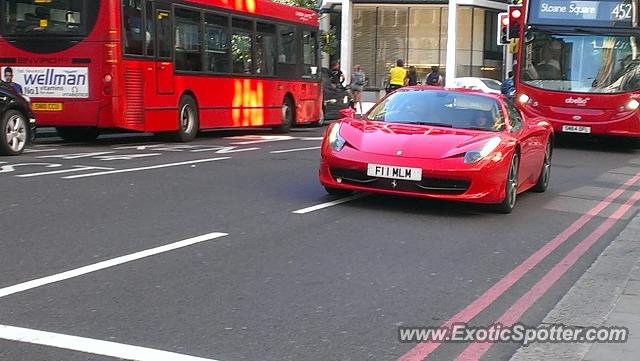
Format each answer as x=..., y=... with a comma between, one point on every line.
x=486, y=85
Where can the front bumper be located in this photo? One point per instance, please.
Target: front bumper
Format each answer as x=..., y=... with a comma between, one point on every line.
x=450, y=179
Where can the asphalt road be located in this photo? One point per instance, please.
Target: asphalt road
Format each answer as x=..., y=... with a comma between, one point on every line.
x=268, y=283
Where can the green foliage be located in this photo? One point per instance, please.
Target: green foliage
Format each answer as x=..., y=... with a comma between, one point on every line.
x=329, y=41
x=309, y=4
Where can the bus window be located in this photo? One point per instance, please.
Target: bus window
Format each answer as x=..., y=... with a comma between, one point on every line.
x=310, y=54
x=163, y=25
x=132, y=19
x=150, y=44
x=188, y=51
x=241, y=45
x=216, y=52
x=265, y=49
x=287, y=45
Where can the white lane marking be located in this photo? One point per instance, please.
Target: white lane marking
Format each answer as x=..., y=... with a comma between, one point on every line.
x=255, y=139
x=75, y=155
x=140, y=147
x=293, y=150
x=311, y=138
x=224, y=150
x=39, y=150
x=77, y=168
x=126, y=156
x=12, y=167
x=90, y=345
x=329, y=204
x=128, y=170
x=106, y=264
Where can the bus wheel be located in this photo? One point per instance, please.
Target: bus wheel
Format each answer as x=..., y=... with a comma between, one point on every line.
x=188, y=123
x=288, y=110
x=77, y=134
x=14, y=134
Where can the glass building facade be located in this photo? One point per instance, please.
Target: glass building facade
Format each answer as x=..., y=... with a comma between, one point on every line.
x=418, y=35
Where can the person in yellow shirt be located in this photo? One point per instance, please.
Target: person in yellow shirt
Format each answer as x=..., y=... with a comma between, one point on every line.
x=397, y=76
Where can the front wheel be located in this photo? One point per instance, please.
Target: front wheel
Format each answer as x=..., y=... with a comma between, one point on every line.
x=14, y=133
x=511, y=187
x=545, y=172
x=288, y=116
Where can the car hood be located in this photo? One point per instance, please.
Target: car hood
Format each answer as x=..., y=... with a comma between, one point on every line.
x=414, y=141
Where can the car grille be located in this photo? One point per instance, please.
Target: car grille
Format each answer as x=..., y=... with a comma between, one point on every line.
x=427, y=185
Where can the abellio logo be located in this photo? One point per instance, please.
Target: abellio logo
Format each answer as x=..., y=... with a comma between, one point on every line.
x=579, y=101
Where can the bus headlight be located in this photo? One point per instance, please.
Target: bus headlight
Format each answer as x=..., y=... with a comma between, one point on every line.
x=632, y=104
x=336, y=141
x=474, y=156
x=523, y=98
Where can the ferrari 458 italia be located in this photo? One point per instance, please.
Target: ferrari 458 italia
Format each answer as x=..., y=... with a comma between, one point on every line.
x=453, y=144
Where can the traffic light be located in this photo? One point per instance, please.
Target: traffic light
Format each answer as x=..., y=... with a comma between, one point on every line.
x=515, y=19
x=503, y=28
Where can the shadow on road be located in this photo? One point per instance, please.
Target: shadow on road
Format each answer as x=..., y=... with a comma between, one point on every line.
x=597, y=143
x=48, y=136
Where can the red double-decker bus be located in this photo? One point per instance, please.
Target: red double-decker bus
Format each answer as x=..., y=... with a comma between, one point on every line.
x=163, y=66
x=579, y=65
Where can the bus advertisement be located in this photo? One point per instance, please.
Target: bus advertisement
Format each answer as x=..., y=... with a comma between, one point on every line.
x=578, y=65
x=163, y=66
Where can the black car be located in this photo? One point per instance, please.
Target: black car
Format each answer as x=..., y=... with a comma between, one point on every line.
x=335, y=97
x=17, y=122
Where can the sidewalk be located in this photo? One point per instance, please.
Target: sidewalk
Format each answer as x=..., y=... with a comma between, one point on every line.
x=608, y=294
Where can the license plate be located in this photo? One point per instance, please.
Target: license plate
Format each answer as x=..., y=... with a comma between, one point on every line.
x=576, y=129
x=47, y=107
x=385, y=171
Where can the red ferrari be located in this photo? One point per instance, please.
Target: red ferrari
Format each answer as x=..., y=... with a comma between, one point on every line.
x=430, y=142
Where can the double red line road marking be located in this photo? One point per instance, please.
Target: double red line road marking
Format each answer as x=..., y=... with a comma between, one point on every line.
x=511, y=316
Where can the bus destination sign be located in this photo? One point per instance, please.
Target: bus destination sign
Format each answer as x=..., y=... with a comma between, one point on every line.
x=603, y=13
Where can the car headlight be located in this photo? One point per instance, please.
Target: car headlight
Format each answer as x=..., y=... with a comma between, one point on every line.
x=336, y=141
x=474, y=156
x=632, y=104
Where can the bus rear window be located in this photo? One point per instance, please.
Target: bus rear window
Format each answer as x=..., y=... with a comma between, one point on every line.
x=56, y=17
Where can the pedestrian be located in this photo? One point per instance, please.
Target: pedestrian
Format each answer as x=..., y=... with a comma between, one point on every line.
x=434, y=78
x=337, y=76
x=508, y=85
x=397, y=76
x=8, y=77
x=412, y=76
x=358, y=80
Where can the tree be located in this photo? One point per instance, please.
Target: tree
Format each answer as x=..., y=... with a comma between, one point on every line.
x=309, y=4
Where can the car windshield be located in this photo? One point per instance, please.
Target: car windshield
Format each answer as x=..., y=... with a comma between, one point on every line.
x=584, y=62
x=440, y=108
x=492, y=84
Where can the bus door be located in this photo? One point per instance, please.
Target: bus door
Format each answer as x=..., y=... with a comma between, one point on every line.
x=164, y=65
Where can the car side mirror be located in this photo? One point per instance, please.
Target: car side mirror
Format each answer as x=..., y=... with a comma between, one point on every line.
x=347, y=113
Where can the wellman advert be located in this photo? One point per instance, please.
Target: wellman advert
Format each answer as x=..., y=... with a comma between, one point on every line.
x=53, y=82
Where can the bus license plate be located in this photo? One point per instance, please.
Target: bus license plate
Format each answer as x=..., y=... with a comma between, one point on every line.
x=576, y=129
x=385, y=171
x=47, y=107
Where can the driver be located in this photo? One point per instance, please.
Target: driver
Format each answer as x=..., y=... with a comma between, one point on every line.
x=482, y=121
